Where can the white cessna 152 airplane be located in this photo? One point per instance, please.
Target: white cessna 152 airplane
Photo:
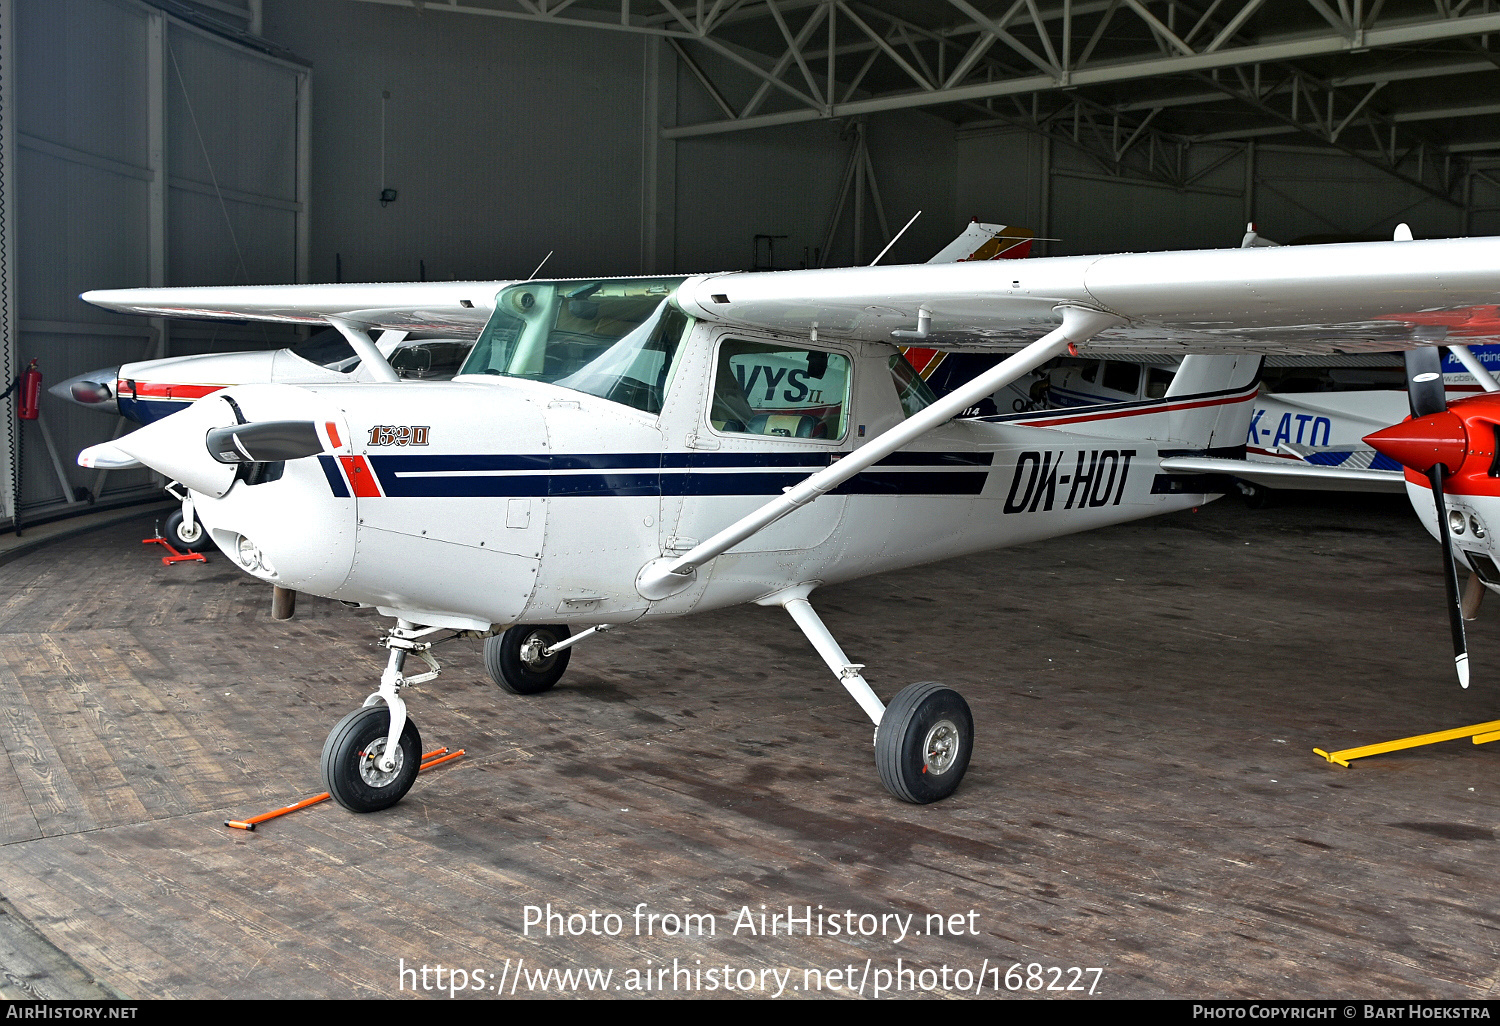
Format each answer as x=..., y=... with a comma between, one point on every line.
x=631, y=449
x=148, y=390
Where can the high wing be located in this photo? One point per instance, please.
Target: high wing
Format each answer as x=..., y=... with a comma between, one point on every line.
x=1376, y=296
x=459, y=308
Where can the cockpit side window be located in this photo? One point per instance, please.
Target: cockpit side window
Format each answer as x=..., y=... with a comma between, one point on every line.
x=911, y=389
x=783, y=391
x=328, y=349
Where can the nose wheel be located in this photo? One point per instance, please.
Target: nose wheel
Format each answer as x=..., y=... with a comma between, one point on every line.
x=352, y=763
x=184, y=530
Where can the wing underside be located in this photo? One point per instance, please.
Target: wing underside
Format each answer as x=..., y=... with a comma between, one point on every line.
x=454, y=308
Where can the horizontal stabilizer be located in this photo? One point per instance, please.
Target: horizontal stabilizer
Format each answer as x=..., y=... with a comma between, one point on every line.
x=1291, y=475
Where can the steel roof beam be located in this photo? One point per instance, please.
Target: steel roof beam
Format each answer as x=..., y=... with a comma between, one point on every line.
x=1125, y=71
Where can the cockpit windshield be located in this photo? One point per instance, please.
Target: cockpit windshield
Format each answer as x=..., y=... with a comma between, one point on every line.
x=613, y=339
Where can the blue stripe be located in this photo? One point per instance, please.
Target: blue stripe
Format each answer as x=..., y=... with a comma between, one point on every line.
x=149, y=411
x=636, y=474
x=335, y=479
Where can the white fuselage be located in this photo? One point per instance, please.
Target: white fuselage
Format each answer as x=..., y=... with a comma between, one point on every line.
x=495, y=501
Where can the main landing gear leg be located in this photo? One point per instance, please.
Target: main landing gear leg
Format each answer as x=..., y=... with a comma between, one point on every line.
x=371, y=756
x=923, y=739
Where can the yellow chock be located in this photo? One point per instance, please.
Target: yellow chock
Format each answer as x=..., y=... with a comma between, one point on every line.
x=1480, y=732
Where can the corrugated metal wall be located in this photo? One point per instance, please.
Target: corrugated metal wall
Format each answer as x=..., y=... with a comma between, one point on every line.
x=508, y=139
x=1003, y=176
x=148, y=152
x=503, y=140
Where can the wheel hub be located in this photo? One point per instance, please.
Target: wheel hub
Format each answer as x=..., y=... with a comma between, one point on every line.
x=533, y=651
x=369, y=764
x=940, y=748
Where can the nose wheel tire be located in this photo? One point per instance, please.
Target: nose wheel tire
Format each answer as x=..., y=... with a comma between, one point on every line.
x=185, y=536
x=923, y=743
x=351, y=761
x=515, y=660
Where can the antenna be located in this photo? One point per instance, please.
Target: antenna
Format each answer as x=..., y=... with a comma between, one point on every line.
x=544, y=261
x=898, y=235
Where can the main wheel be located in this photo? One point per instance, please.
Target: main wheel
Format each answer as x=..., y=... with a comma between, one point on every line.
x=515, y=660
x=1255, y=496
x=185, y=536
x=351, y=770
x=923, y=743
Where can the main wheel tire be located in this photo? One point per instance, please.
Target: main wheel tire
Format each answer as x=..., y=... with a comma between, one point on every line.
x=350, y=771
x=515, y=661
x=1255, y=496
x=923, y=743
x=185, y=536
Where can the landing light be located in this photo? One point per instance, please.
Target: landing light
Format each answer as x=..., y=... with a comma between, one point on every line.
x=1475, y=527
x=1456, y=521
x=249, y=554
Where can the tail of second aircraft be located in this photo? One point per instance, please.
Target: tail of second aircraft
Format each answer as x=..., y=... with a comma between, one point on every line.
x=1206, y=410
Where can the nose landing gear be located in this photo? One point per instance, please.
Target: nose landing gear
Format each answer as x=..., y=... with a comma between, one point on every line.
x=352, y=761
x=184, y=530
x=372, y=755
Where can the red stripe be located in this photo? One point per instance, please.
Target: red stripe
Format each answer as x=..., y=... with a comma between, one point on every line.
x=168, y=390
x=1467, y=484
x=333, y=434
x=1138, y=412
x=361, y=478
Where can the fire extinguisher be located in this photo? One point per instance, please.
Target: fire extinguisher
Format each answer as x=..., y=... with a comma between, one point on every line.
x=31, y=392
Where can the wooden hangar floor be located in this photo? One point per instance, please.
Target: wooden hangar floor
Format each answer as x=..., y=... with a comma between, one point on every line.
x=1143, y=800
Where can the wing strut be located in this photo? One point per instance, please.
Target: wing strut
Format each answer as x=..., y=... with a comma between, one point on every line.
x=669, y=575
x=369, y=353
x=1473, y=366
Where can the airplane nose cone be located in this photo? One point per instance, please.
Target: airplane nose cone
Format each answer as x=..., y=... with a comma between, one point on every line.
x=1423, y=442
x=95, y=389
x=175, y=446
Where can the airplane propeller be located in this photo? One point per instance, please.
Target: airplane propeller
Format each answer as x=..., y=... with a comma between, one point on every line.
x=265, y=442
x=1434, y=443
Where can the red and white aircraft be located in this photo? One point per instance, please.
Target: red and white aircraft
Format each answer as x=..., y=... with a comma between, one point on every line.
x=621, y=450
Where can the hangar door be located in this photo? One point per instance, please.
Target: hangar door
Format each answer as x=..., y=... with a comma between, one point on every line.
x=140, y=150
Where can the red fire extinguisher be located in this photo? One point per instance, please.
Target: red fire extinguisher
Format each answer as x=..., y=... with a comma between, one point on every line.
x=31, y=392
